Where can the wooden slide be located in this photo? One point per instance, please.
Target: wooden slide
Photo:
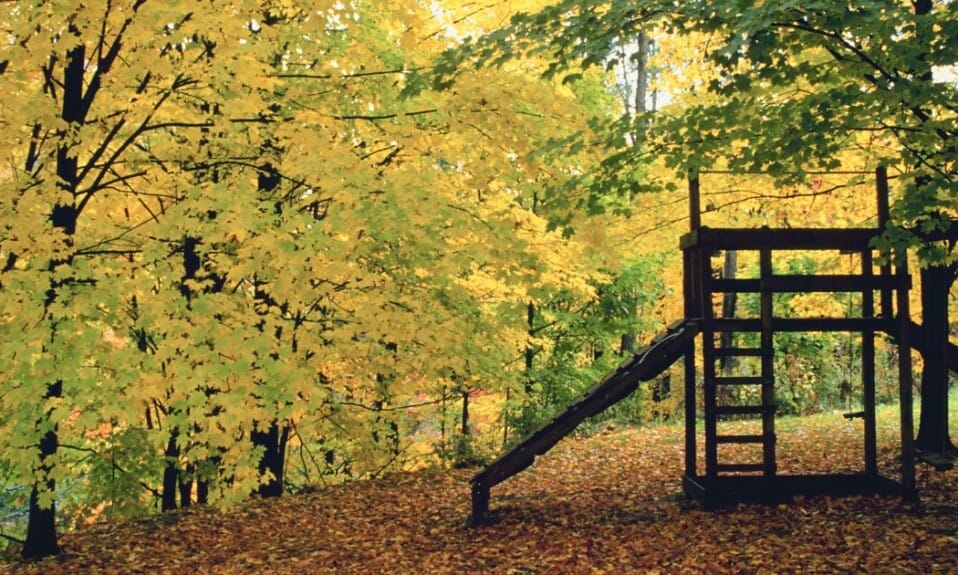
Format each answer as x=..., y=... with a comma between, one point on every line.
x=645, y=364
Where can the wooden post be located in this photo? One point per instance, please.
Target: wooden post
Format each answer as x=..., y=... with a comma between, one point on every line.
x=691, y=454
x=768, y=366
x=703, y=255
x=881, y=187
x=905, y=385
x=695, y=207
x=868, y=369
x=480, y=504
x=884, y=215
x=696, y=264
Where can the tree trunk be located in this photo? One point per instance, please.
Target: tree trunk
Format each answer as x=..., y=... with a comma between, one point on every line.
x=202, y=491
x=530, y=352
x=933, y=422
x=642, y=72
x=627, y=344
x=41, y=538
x=936, y=283
x=186, y=489
x=171, y=473
x=464, y=415
x=273, y=441
x=729, y=303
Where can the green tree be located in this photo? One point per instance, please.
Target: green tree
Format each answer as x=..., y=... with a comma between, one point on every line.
x=794, y=84
x=107, y=105
x=228, y=233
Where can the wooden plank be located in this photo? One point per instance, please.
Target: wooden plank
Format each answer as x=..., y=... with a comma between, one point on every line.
x=854, y=239
x=834, y=283
x=726, y=285
x=832, y=324
x=794, y=283
x=768, y=365
x=731, y=489
x=695, y=209
x=868, y=371
x=807, y=324
x=740, y=467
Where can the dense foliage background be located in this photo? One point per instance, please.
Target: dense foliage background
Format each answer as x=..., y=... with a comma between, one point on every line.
x=259, y=246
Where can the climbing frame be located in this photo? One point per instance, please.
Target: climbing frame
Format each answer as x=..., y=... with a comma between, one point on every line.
x=729, y=480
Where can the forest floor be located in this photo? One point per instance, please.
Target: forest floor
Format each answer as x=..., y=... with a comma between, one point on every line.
x=606, y=503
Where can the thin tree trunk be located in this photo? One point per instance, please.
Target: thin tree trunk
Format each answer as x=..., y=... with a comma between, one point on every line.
x=186, y=490
x=464, y=419
x=530, y=353
x=171, y=473
x=642, y=73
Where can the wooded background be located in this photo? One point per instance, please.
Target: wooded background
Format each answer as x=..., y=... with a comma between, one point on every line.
x=260, y=246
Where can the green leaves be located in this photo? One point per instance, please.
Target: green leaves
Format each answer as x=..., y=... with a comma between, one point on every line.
x=795, y=85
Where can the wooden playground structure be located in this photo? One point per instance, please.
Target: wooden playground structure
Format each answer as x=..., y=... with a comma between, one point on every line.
x=884, y=308
x=724, y=481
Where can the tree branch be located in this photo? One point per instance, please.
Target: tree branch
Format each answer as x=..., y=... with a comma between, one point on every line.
x=377, y=117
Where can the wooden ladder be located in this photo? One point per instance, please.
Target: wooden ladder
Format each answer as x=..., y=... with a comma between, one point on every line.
x=717, y=409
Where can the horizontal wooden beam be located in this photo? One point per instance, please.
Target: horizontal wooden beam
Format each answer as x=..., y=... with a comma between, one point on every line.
x=855, y=239
x=793, y=283
x=851, y=324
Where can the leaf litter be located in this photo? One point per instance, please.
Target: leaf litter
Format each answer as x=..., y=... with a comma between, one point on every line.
x=607, y=503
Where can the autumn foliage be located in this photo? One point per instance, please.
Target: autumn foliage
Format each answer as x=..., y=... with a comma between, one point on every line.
x=248, y=247
x=605, y=503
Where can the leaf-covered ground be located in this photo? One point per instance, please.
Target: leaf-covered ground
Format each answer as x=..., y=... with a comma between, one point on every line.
x=608, y=503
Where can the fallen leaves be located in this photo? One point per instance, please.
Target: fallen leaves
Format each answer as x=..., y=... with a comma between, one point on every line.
x=604, y=504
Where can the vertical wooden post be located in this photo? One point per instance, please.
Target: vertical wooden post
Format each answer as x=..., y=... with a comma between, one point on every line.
x=905, y=384
x=691, y=454
x=884, y=215
x=480, y=504
x=694, y=302
x=695, y=204
x=768, y=366
x=868, y=369
x=881, y=188
x=704, y=257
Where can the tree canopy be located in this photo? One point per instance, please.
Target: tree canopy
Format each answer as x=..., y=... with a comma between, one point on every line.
x=785, y=88
x=248, y=246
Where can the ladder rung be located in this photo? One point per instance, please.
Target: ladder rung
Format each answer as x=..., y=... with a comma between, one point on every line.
x=741, y=410
x=744, y=380
x=746, y=467
x=740, y=439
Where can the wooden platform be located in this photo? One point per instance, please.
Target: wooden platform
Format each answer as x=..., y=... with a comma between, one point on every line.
x=723, y=491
